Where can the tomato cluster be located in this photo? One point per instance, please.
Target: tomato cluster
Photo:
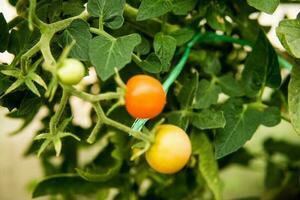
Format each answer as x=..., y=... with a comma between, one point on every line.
x=144, y=98
x=171, y=149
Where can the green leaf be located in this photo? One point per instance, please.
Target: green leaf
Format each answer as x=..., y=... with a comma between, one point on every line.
x=182, y=35
x=151, y=64
x=68, y=184
x=28, y=106
x=182, y=7
x=188, y=90
x=79, y=32
x=108, y=162
x=207, y=94
x=106, y=54
x=164, y=46
x=179, y=118
x=43, y=146
x=72, y=8
x=207, y=163
x=13, y=86
x=41, y=136
x=22, y=39
x=211, y=64
x=36, y=78
x=242, y=120
x=4, y=34
x=32, y=87
x=268, y=6
x=208, y=119
x=68, y=134
x=230, y=85
x=294, y=98
x=266, y=72
x=153, y=8
x=63, y=125
x=110, y=11
x=288, y=33
x=143, y=48
x=11, y=72
x=4, y=83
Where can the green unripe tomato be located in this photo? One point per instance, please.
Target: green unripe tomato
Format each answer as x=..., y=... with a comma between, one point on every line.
x=71, y=71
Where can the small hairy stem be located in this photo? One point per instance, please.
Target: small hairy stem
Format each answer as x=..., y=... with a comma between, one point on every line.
x=46, y=51
x=90, y=97
x=56, y=117
x=91, y=139
x=63, y=24
x=101, y=23
x=136, y=59
x=260, y=95
x=31, y=13
x=103, y=33
x=25, y=57
x=119, y=81
x=102, y=117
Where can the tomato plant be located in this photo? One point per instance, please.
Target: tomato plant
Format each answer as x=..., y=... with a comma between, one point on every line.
x=205, y=69
x=145, y=96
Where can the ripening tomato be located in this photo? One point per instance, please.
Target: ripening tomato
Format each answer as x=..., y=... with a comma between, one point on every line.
x=145, y=97
x=71, y=71
x=170, y=151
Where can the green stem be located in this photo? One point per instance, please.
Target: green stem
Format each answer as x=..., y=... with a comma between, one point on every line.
x=103, y=33
x=260, y=95
x=25, y=57
x=58, y=113
x=102, y=117
x=31, y=13
x=92, y=137
x=136, y=59
x=63, y=24
x=46, y=51
x=90, y=97
x=101, y=23
x=164, y=23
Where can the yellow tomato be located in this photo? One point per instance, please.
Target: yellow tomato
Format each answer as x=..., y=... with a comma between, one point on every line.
x=170, y=151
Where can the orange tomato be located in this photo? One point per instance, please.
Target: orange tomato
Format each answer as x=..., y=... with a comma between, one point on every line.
x=145, y=97
x=170, y=151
